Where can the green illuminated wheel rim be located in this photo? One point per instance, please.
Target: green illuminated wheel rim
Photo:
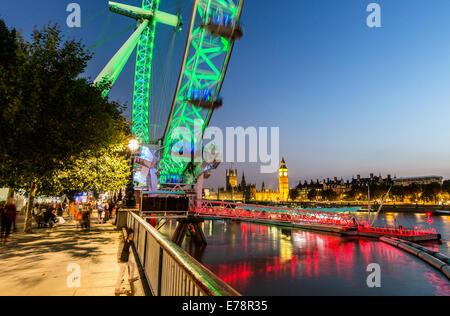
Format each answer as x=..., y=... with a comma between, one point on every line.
x=213, y=28
x=204, y=66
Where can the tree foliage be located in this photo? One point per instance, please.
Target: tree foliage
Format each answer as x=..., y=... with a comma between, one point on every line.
x=330, y=195
x=446, y=187
x=294, y=194
x=51, y=118
x=312, y=195
x=105, y=171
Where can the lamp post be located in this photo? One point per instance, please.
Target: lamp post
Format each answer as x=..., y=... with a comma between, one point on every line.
x=130, y=200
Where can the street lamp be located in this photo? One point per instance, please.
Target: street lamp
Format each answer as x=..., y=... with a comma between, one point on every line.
x=133, y=145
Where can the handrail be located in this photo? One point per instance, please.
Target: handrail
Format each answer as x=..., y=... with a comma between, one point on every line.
x=206, y=281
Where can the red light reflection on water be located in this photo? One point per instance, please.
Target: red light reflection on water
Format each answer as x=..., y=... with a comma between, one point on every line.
x=303, y=254
x=442, y=286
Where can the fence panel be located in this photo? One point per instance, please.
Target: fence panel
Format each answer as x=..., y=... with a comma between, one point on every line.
x=169, y=270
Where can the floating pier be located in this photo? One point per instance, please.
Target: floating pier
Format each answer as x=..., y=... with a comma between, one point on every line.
x=331, y=222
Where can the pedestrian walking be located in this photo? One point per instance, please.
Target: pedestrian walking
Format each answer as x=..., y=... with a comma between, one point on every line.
x=72, y=212
x=86, y=219
x=102, y=217
x=8, y=216
x=79, y=217
x=60, y=210
x=110, y=210
x=100, y=210
x=126, y=262
x=2, y=209
x=50, y=218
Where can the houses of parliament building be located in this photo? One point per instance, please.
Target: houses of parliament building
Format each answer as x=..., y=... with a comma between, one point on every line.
x=235, y=191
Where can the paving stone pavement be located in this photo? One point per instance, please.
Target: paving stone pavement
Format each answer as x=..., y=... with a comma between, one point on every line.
x=37, y=263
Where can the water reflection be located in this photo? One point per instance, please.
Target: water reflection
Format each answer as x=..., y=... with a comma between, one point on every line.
x=267, y=260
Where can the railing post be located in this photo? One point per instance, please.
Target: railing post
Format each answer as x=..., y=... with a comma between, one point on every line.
x=160, y=267
x=136, y=235
x=144, y=255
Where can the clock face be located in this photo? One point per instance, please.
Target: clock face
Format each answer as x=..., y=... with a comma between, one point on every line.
x=285, y=174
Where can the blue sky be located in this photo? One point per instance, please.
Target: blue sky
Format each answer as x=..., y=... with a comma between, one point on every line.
x=348, y=99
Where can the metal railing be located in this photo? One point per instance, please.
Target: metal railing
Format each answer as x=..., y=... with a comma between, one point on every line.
x=169, y=270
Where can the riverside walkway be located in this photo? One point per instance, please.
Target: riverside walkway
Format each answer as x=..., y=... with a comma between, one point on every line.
x=37, y=264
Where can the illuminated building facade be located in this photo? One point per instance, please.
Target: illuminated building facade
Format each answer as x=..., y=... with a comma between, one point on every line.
x=248, y=192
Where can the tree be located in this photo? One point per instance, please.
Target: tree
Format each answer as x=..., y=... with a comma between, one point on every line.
x=50, y=116
x=8, y=48
x=431, y=192
x=413, y=192
x=312, y=195
x=398, y=193
x=446, y=187
x=330, y=195
x=294, y=194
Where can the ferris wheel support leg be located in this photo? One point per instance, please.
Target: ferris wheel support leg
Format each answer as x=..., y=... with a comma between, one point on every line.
x=199, y=190
x=112, y=70
x=136, y=12
x=153, y=179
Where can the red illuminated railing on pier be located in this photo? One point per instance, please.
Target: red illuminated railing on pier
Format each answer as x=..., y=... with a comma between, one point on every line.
x=298, y=216
x=397, y=231
x=274, y=214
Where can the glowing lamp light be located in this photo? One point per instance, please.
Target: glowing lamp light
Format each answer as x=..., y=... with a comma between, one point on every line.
x=133, y=145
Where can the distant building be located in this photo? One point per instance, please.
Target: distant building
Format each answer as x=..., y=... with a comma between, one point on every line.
x=231, y=180
x=418, y=180
x=364, y=182
x=283, y=179
x=339, y=186
x=248, y=192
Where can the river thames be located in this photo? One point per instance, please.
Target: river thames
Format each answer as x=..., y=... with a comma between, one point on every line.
x=260, y=259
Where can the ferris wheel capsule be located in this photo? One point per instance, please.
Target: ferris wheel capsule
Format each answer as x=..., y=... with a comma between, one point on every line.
x=204, y=99
x=224, y=26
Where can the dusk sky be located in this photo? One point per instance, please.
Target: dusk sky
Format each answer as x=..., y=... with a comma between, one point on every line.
x=348, y=99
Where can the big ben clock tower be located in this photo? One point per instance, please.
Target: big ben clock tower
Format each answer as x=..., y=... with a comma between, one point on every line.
x=283, y=177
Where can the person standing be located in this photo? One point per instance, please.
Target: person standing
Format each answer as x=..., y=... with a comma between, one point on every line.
x=126, y=262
